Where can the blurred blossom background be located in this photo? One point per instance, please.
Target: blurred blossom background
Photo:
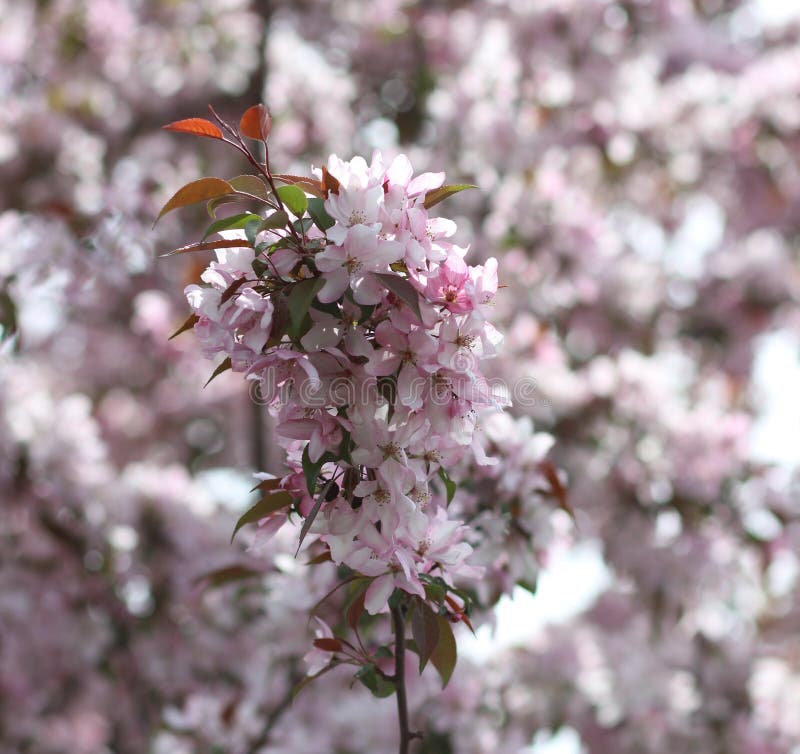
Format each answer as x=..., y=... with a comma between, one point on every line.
x=639, y=172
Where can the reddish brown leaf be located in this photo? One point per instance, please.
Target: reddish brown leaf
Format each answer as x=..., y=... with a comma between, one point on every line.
x=221, y=576
x=196, y=127
x=225, y=243
x=323, y=557
x=267, y=485
x=330, y=184
x=432, y=198
x=268, y=505
x=556, y=488
x=230, y=291
x=196, y=191
x=187, y=325
x=256, y=123
x=459, y=613
x=445, y=655
x=425, y=630
x=310, y=185
x=356, y=608
x=328, y=645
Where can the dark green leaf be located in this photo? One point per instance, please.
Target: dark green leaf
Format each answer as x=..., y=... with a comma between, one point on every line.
x=528, y=586
x=300, y=298
x=379, y=686
x=223, y=367
x=294, y=199
x=402, y=289
x=251, y=229
x=316, y=208
x=304, y=225
x=278, y=219
x=234, y=222
x=435, y=592
x=311, y=469
x=445, y=654
x=440, y=194
x=8, y=315
x=268, y=504
x=425, y=630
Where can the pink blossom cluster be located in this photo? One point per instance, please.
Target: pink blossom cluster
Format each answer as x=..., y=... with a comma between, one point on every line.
x=377, y=393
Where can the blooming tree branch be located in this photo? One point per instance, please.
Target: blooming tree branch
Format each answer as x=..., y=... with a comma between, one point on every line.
x=356, y=317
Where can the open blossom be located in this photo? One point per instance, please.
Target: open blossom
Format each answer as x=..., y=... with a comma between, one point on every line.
x=380, y=390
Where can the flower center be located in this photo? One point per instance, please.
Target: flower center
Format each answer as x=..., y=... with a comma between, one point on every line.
x=390, y=450
x=353, y=265
x=357, y=217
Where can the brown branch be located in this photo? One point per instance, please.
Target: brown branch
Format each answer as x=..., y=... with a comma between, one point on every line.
x=399, y=622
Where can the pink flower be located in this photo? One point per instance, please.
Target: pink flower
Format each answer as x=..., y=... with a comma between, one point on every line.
x=348, y=266
x=447, y=285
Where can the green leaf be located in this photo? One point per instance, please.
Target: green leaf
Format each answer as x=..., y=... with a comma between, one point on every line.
x=299, y=301
x=445, y=654
x=316, y=209
x=223, y=367
x=449, y=484
x=312, y=514
x=200, y=190
x=268, y=504
x=440, y=194
x=311, y=469
x=234, y=222
x=278, y=219
x=251, y=229
x=435, y=592
x=425, y=630
x=187, y=325
x=402, y=289
x=379, y=686
x=250, y=185
x=304, y=225
x=294, y=199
